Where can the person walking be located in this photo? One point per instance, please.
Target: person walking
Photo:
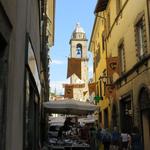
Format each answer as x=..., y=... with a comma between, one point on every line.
x=115, y=139
x=93, y=139
x=106, y=139
x=99, y=138
x=124, y=140
x=136, y=143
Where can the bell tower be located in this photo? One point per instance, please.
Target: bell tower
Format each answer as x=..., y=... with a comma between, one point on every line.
x=78, y=49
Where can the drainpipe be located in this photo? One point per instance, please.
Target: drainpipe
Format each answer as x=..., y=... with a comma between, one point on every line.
x=148, y=18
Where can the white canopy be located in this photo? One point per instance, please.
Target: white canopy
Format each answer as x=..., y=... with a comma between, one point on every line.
x=88, y=119
x=69, y=106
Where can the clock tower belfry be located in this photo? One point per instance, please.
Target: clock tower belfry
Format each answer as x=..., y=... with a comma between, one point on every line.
x=78, y=49
x=78, y=43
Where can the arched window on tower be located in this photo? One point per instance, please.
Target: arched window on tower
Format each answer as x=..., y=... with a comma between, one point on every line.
x=79, y=50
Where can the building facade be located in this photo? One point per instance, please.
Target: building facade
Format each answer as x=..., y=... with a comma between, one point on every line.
x=128, y=46
x=20, y=74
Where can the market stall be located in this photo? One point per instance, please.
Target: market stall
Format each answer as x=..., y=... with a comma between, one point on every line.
x=68, y=137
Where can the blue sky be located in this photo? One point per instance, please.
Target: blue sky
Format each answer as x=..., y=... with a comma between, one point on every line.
x=68, y=13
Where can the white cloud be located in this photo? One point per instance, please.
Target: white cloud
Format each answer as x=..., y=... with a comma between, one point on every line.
x=57, y=86
x=57, y=62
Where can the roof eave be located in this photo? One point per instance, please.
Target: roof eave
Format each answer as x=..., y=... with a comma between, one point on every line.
x=100, y=6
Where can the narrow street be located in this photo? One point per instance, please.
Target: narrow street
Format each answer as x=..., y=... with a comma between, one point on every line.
x=74, y=75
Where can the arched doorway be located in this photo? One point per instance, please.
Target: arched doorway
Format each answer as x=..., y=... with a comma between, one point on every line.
x=144, y=99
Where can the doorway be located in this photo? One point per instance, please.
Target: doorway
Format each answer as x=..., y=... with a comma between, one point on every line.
x=145, y=116
x=106, y=118
x=126, y=116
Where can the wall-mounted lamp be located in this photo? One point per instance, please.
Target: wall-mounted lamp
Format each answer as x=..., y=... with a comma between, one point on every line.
x=105, y=79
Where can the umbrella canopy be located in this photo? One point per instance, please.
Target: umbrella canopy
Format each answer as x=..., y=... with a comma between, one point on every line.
x=69, y=106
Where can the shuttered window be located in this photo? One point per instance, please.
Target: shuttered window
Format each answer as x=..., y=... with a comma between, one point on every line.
x=140, y=37
x=122, y=57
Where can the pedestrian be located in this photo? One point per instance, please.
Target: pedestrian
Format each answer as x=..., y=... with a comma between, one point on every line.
x=99, y=138
x=136, y=143
x=124, y=140
x=84, y=133
x=93, y=139
x=115, y=138
x=106, y=138
x=98, y=135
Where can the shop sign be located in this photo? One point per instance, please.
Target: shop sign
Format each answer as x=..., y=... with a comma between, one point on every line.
x=110, y=91
x=112, y=65
x=92, y=87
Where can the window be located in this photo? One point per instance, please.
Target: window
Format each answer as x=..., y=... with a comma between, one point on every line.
x=103, y=41
x=105, y=81
x=100, y=88
x=98, y=53
x=31, y=108
x=97, y=90
x=79, y=50
x=140, y=38
x=122, y=57
x=108, y=22
x=140, y=31
x=118, y=6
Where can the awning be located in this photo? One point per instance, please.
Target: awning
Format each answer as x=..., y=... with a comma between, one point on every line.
x=101, y=6
x=69, y=106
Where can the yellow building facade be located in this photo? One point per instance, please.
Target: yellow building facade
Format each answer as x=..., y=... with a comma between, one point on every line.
x=127, y=37
x=98, y=48
x=51, y=21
